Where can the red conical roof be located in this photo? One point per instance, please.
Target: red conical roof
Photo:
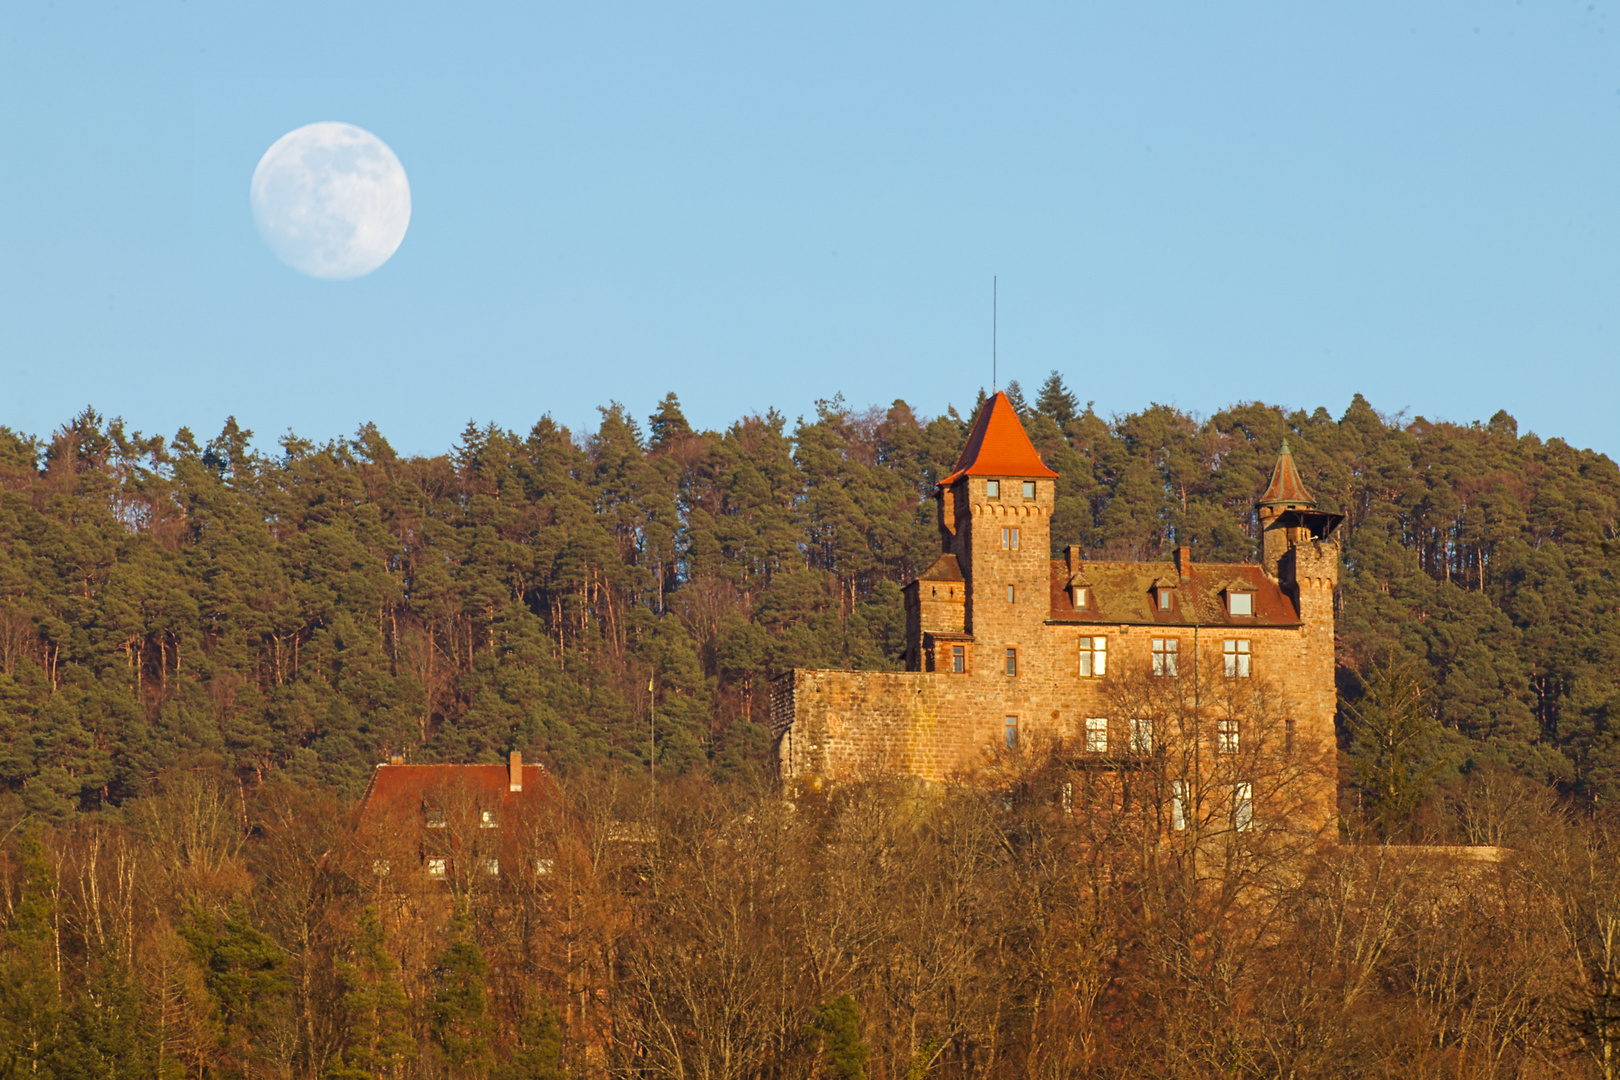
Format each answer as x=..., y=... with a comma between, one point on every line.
x=997, y=446
x=1286, y=488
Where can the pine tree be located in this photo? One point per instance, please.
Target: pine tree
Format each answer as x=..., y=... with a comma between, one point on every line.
x=1015, y=398
x=1056, y=401
x=837, y=1029
x=457, y=1011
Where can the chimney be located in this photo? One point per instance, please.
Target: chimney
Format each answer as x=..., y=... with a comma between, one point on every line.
x=397, y=759
x=514, y=775
x=1074, y=558
x=1184, y=561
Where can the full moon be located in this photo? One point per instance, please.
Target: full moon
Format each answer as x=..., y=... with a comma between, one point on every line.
x=331, y=200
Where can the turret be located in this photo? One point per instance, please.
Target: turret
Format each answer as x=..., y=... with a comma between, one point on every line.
x=1296, y=539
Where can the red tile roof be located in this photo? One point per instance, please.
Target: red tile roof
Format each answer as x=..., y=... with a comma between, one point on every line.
x=401, y=792
x=1286, y=488
x=997, y=446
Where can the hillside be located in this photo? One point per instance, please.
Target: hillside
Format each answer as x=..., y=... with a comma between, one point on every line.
x=170, y=602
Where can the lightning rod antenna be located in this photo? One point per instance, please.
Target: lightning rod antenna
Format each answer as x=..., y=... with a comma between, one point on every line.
x=994, y=386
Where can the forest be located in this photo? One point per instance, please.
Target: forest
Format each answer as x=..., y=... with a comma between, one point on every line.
x=205, y=648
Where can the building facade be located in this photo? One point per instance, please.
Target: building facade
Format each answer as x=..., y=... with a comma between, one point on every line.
x=1010, y=651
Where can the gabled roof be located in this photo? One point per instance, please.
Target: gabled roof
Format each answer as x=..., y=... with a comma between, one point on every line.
x=1286, y=488
x=997, y=446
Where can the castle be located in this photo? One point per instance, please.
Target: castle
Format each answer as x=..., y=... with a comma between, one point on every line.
x=1009, y=650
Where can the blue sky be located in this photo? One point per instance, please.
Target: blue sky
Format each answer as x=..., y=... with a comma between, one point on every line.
x=756, y=206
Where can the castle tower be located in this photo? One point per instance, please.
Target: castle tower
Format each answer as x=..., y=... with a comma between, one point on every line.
x=995, y=511
x=1299, y=549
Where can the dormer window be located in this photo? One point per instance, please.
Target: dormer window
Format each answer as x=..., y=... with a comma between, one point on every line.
x=1082, y=596
x=1167, y=597
x=1239, y=602
x=992, y=489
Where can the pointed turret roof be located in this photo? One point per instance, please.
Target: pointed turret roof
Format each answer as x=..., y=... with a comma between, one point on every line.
x=1286, y=488
x=997, y=446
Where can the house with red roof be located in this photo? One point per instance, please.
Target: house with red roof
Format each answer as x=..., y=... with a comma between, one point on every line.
x=468, y=824
x=1219, y=677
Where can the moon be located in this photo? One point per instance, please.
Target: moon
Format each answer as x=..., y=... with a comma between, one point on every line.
x=331, y=200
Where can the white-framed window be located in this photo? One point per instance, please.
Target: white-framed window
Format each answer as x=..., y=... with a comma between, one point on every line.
x=992, y=489
x=1165, y=650
x=1009, y=539
x=544, y=867
x=1097, y=734
x=1093, y=657
x=1226, y=736
x=488, y=820
x=1009, y=731
x=1082, y=596
x=1240, y=603
x=435, y=817
x=1029, y=489
x=492, y=867
x=1141, y=735
x=1178, y=804
x=1242, y=807
x=1167, y=597
x=1011, y=595
x=1235, y=652
x=437, y=866
x=1012, y=661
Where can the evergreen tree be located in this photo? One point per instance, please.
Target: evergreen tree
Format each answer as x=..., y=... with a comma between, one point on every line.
x=1055, y=400
x=837, y=1030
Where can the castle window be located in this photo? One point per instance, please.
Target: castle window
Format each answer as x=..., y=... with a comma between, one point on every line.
x=1082, y=596
x=1288, y=735
x=1012, y=661
x=1226, y=736
x=1242, y=807
x=1029, y=489
x=1010, y=731
x=1009, y=539
x=438, y=867
x=1142, y=735
x=1164, y=656
x=435, y=817
x=992, y=489
x=1093, y=657
x=1178, y=804
x=1010, y=594
x=1097, y=735
x=1235, y=652
x=958, y=658
x=1240, y=603
x=492, y=867
x=544, y=866
x=486, y=820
